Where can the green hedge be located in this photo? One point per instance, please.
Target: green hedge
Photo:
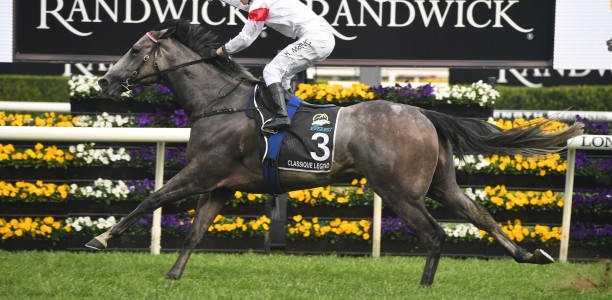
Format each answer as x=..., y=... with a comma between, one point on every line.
x=579, y=97
x=34, y=88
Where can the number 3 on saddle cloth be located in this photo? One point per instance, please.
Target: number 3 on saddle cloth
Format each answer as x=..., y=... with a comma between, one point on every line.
x=306, y=146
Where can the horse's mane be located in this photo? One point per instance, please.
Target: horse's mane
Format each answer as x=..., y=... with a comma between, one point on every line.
x=199, y=38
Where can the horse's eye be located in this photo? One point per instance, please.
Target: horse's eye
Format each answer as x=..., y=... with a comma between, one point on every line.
x=135, y=50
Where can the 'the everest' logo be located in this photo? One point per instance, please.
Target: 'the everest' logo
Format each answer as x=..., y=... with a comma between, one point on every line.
x=340, y=14
x=319, y=121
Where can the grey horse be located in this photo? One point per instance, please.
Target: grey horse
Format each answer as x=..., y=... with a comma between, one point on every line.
x=404, y=152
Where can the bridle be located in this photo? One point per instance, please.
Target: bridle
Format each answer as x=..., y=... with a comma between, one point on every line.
x=132, y=80
x=157, y=43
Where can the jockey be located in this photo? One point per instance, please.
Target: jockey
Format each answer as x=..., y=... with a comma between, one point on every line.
x=291, y=18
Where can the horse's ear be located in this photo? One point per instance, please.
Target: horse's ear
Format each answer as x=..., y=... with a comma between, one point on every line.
x=166, y=33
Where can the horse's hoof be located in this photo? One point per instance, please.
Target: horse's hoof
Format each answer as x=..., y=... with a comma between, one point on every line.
x=172, y=276
x=542, y=257
x=95, y=244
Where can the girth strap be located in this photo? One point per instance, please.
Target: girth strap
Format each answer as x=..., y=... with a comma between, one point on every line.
x=270, y=167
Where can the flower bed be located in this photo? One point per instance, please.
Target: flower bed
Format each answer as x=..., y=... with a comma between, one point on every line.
x=109, y=181
x=226, y=234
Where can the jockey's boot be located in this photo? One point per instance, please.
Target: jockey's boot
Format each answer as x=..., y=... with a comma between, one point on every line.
x=289, y=93
x=280, y=120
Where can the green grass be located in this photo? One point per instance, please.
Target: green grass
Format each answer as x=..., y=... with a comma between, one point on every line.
x=114, y=275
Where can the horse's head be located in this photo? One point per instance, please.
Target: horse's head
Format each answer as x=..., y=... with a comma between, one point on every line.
x=172, y=45
x=138, y=66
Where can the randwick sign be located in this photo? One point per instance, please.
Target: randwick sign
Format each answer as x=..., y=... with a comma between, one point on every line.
x=432, y=14
x=460, y=32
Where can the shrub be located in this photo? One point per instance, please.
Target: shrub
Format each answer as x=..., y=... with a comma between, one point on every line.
x=34, y=88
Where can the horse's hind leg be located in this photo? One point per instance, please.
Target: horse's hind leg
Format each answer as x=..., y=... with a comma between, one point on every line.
x=445, y=190
x=413, y=213
x=208, y=208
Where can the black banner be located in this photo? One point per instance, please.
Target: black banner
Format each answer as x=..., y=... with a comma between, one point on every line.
x=368, y=32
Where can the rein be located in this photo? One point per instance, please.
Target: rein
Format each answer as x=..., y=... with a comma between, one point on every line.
x=173, y=68
x=127, y=84
x=224, y=110
x=221, y=111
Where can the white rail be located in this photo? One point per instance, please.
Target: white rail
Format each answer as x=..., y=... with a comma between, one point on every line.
x=79, y=134
x=592, y=142
x=60, y=107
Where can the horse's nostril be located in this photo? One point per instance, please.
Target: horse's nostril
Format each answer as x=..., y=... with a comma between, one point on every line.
x=103, y=83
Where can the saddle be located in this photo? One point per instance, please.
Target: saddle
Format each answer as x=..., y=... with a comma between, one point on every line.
x=306, y=146
x=266, y=103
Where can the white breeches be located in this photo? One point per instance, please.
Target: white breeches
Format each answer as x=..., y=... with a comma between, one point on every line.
x=315, y=46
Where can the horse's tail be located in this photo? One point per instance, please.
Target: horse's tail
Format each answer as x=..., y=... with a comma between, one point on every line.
x=473, y=136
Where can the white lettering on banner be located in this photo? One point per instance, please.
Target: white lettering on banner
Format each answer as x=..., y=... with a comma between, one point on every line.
x=87, y=69
x=523, y=75
x=162, y=15
x=381, y=13
x=128, y=12
x=113, y=14
x=55, y=13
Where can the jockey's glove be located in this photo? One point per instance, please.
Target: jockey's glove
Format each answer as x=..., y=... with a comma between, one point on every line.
x=210, y=52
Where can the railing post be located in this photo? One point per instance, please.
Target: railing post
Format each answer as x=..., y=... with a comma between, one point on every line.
x=567, y=204
x=376, y=226
x=157, y=214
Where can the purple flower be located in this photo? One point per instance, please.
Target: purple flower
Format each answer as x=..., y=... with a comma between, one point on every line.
x=587, y=230
x=604, y=165
x=144, y=153
x=595, y=127
x=592, y=199
x=144, y=120
x=141, y=187
x=174, y=222
x=162, y=89
x=180, y=118
x=428, y=90
x=394, y=229
x=405, y=94
x=581, y=159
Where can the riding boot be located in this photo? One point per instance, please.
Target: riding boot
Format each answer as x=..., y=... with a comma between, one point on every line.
x=289, y=93
x=280, y=120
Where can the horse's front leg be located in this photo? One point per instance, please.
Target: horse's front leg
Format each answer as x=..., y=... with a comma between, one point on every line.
x=182, y=185
x=209, y=207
